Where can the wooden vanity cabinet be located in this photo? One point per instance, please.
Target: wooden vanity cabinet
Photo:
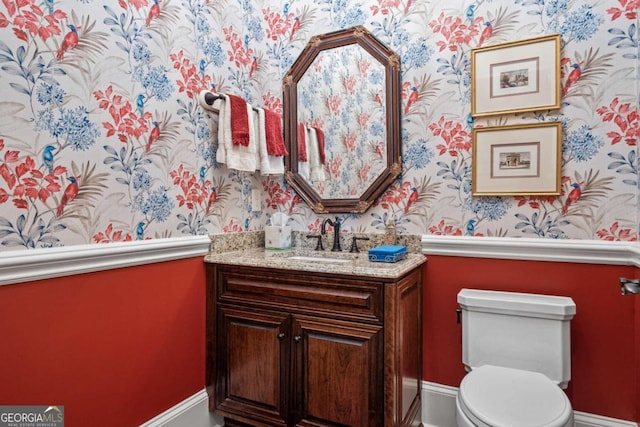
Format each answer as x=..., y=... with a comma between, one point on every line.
x=291, y=348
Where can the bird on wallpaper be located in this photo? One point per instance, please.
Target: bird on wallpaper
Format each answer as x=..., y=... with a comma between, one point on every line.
x=154, y=12
x=471, y=225
x=573, y=197
x=70, y=193
x=140, y=104
x=413, y=97
x=246, y=41
x=202, y=65
x=212, y=198
x=47, y=157
x=470, y=121
x=254, y=66
x=413, y=197
x=70, y=41
x=203, y=173
x=153, y=137
x=140, y=231
x=285, y=9
x=470, y=12
x=573, y=77
x=295, y=27
x=246, y=224
x=486, y=33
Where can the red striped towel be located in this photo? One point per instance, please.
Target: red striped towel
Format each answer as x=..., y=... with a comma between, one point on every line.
x=320, y=135
x=239, y=121
x=273, y=133
x=302, y=143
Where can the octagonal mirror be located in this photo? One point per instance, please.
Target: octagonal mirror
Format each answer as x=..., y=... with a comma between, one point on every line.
x=342, y=121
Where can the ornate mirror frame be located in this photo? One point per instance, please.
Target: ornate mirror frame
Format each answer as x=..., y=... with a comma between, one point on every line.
x=391, y=61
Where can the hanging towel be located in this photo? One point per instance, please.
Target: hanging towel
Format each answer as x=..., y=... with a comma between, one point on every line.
x=316, y=170
x=239, y=121
x=224, y=127
x=268, y=164
x=302, y=143
x=320, y=135
x=241, y=157
x=303, y=148
x=273, y=133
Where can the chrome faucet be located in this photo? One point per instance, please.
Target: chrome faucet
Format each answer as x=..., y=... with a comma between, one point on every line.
x=336, y=232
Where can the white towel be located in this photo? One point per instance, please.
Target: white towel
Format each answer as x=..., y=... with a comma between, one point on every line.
x=316, y=168
x=269, y=165
x=235, y=156
x=240, y=157
x=303, y=166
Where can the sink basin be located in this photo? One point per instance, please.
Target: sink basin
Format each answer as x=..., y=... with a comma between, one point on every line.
x=319, y=259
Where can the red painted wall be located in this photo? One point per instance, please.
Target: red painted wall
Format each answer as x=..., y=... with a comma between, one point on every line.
x=605, y=331
x=116, y=348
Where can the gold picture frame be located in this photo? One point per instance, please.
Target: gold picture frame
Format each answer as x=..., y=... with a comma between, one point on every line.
x=516, y=77
x=517, y=160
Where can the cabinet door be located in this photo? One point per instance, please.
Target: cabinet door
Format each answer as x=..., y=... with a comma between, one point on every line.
x=337, y=373
x=252, y=365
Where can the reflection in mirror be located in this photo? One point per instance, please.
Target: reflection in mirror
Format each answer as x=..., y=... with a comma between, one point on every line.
x=342, y=121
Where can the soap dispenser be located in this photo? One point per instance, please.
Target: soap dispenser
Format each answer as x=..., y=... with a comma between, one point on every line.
x=390, y=235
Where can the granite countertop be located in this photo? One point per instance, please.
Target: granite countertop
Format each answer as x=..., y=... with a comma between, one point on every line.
x=301, y=259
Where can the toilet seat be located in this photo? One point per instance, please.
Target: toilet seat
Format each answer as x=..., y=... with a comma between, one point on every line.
x=492, y=396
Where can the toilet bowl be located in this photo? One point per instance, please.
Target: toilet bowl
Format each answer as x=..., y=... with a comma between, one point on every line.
x=493, y=396
x=516, y=349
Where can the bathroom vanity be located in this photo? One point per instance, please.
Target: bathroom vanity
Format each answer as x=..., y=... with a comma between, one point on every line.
x=308, y=339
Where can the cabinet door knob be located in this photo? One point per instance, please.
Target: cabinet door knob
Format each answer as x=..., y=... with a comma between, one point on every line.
x=297, y=338
x=281, y=336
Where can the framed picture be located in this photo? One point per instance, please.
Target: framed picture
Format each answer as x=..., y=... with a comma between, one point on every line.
x=517, y=160
x=516, y=77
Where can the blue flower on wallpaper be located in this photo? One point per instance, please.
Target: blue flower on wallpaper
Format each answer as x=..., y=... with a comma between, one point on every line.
x=254, y=27
x=376, y=129
x=141, y=180
x=212, y=48
x=581, y=144
x=202, y=25
x=155, y=205
x=72, y=127
x=555, y=7
x=399, y=38
x=50, y=94
x=417, y=154
x=417, y=54
x=155, y=80
x=578, y=25
x=352, y=17
x=141, y=53
x=492, y=208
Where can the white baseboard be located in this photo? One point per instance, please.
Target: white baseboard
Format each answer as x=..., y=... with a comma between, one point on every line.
x=438, y=410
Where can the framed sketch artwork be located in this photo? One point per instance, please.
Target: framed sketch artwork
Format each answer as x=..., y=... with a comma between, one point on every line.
x=517, y=160
x=516, y=77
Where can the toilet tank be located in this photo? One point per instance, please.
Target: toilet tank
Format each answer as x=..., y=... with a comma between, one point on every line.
x=517, y=330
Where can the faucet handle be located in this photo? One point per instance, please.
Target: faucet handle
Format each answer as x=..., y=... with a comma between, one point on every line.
x=319, y=246
x=354, y=243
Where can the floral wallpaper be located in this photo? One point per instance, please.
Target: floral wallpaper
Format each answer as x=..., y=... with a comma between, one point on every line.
x=343, y=95
x=102, y=138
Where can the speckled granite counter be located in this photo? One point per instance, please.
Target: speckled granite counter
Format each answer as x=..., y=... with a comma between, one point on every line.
x=355, y=264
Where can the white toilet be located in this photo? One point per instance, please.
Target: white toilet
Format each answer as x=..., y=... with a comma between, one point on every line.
x=516, y=348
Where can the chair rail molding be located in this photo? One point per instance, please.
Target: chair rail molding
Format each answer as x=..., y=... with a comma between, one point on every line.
x=531, y=249
x=21, y=266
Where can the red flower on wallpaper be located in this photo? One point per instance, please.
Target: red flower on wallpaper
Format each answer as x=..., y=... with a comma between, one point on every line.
x=615, y=233
x=239, y=53
x=277, y=24
x=385, y=7
x=334, y=166
x=535, y=202
x=629, y=10
x=194, y=192
x=626, y=117
x=455, y=31
x=26, y=15
x=232, y=227
x=333, y=104
x=277, y=196
x=272, y=103
x=349, y=141
x=126, y=121
x=192, y=82
x=395, y=194
x=442, y=229
x=454, y=136
x=110, y=235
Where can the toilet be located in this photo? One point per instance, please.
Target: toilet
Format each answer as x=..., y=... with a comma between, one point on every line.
x=516, y=350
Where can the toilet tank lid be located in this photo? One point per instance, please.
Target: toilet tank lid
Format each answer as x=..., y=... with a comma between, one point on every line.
x=518, y=304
